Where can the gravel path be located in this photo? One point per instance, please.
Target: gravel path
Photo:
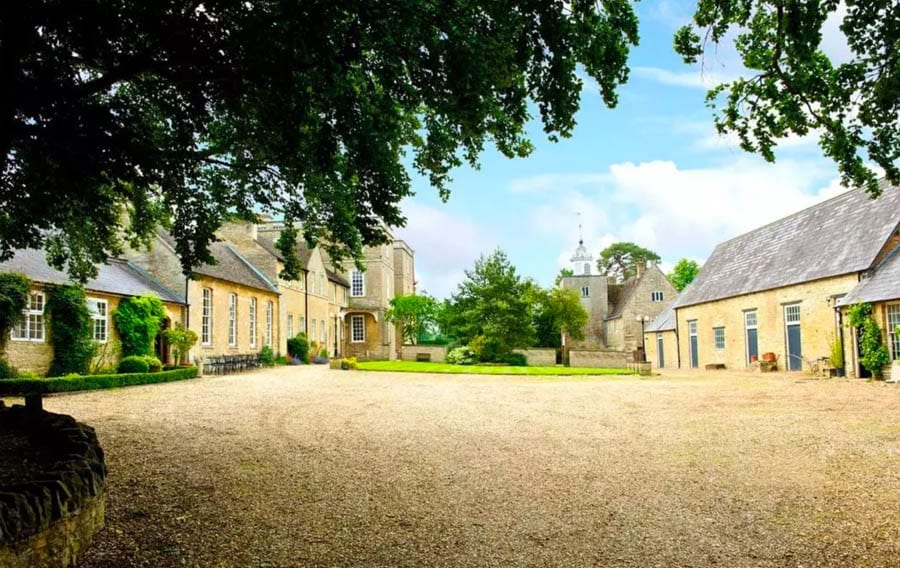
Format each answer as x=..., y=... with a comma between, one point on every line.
x=311, y=467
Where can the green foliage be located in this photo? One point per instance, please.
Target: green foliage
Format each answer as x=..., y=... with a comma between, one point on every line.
x=493, y=302
x=292, y=269
x=415, y=314
x=134, y=364
x=70, y=325
x=563, y=273
x=193, y=113
x=836, y=356
x=154, y=365
x=71, y=383
x=514, y=360
x=298, y=347
x=621, y=259
x=349, y=364
x=182, y=340
x=138, y=321
x=559, y=311
x=683, y=273
x=794, y=89
x=461, y=356
x=266, y=356
x=14, y=290
x=7, y=371
x=873, y=354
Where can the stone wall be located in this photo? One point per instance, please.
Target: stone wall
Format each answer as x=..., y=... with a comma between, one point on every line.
x=437, y=352
x=47, y=523
x=600, y=358
x=539, y=357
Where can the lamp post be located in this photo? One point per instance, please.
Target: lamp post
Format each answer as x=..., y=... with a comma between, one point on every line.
x=643, y=319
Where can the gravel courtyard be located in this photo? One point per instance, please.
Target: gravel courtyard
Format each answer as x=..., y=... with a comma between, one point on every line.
x=312, y=467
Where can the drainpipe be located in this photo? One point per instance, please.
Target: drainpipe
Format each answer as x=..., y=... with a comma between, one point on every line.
x=677, y=342
x=840, y=323
x=306, y=302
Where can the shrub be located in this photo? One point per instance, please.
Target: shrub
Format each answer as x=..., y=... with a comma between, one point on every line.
x=873, y=354
x=14, y=290
x=133, y=364
x=514, y=359
x=70, y=327
x=70, y=383
x=461, y=356
x=836, y=358
x=349, y=364
x=298, y=347
x=182, y=340
x=7, y=371
x=323, y=353
x=154, y=365
x=138, y=321
x=266, y=356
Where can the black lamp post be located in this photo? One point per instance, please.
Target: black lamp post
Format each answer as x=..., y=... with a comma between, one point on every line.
x=643, y=320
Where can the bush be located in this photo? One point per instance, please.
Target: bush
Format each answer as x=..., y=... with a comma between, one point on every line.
x=266, y=356
x=323, y=353
x=14, y=290
x=461, y=356
x=349, y=364
x=514, y=360
x=7, y=371
x=133, y=364
x=182, y=340
x=298, y=347
x=154, y=365
x=69, y=322
x=21, y=386
x=138, y=321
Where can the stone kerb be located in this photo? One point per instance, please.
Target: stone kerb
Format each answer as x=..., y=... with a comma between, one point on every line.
x=47, y=520
x=435, y=353
x=539, y=357
x=600, y=358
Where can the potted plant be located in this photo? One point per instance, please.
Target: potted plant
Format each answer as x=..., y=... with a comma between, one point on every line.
x=768, y=357
x=182, y=340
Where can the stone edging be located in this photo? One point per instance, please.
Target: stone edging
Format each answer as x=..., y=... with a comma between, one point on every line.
x=47, y=521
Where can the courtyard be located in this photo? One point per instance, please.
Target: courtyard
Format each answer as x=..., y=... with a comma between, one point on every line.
x=305, y=466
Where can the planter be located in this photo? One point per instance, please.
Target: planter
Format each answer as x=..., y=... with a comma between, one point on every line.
x=768, y=357
x=754, y=358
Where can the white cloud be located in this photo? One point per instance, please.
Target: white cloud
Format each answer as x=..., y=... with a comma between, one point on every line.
x=834, y=42
x=445, y=245
x=695, y=79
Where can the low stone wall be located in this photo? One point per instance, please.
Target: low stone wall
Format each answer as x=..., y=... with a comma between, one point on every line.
x=437, y=352
x=539, y=357
x=48, y=521
x=600, y=358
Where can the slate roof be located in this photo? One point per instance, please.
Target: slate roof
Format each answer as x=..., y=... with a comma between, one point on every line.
x=665, y=321
x=883, y=284
x=840, y=236
x=620, y=300
x=267, y=242
x=230, y=266
x=337, y=278
x=118, y=277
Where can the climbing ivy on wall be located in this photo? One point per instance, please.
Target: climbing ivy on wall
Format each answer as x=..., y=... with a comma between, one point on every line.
x=873, y=354
x=14, y=289
x=70, y=330
x=138, y=321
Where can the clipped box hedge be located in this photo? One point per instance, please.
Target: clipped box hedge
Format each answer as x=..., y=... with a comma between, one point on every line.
x=18, y=387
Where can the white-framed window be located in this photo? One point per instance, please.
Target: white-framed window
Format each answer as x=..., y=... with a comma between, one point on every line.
x=312, y=329
x=232, y=320
x=206, y=317
x=270, y=308
x=750, y=319
x=321, y=284
x=792, y=314
x=31, y=326
x=99, y=310
x=719, y=338
x=303, y=281
x=252, y=319
x=656, y=296
x=587, y=268
x=290, y=325
x=357, y=329
x=323, y=331
x=357, y=284
x=893, y=322
x=585, y=291
x=301, y=324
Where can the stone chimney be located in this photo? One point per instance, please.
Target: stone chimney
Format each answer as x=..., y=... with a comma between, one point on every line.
x=641, y=268
x=240, y=233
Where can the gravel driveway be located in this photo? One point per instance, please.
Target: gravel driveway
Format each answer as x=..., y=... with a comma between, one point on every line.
x=312, y=467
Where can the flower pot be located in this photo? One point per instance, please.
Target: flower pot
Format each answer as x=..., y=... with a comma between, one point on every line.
x=768, y=357
x=754, y=358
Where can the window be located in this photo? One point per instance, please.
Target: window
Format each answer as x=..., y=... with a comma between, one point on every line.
x=322, y=331
x=31, y=326
x=893, y=322
x=206, y=318
x=334, y=293
x=792, y=314
x=656, y=296
x=719, y=338
x=357, y=329
x=252, y=319
x=312, y=329
x=301, y=325
x=585, y=291
x=587, y=268
x=321, y=284
x=290, y=325
x=357, y=284
x=269, y=310
x=750, y=319
x=232, y=320
x=99, y=310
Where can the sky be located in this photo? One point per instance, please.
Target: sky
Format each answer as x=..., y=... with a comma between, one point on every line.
x=652, y=171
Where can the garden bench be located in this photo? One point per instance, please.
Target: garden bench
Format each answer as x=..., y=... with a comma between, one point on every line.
x=715, y=366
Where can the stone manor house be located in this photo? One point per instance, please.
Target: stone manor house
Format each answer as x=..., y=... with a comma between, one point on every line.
x=237, y=305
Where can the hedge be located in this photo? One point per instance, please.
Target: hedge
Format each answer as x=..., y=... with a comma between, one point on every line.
x=18, y=387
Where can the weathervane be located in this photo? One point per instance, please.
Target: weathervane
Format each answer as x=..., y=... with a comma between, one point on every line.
x=580, y=235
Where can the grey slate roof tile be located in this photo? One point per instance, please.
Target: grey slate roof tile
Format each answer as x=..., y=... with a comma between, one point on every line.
x=230, y=265
x=839, y=236
x=665, y=321
x=117, y=277
x=883, y=284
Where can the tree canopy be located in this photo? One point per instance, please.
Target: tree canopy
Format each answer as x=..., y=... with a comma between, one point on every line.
x=683, y=273
x=560, y=311
x=796, y=89
x=415, y=314
x=120, y=115
x=621, y=259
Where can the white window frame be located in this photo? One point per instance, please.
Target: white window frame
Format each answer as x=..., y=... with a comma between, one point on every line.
x=206, y=315
x=252, y=318
x=359, y=337
x=232, y=320
x=28, y=328
x=269, y=315
x=892, y=312
x=719, y=346
x=322, y=284
x=312, y=329
x=357, y=279
x=99, y=319
x=301, y=324
x=290, y=325
x=323, y=332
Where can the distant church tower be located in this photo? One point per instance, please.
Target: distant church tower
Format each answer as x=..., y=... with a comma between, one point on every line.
x=582, y=259
x=592, y=290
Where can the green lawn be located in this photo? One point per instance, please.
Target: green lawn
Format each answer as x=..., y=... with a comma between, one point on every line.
x=416, y=367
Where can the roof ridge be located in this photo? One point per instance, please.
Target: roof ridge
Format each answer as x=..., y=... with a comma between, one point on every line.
x=152, y=279
x=251, y=266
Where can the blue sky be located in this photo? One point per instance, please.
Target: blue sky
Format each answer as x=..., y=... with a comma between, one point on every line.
x=651, y=171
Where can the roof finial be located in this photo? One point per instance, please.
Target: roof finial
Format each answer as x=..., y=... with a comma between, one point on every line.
x=580, y=235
